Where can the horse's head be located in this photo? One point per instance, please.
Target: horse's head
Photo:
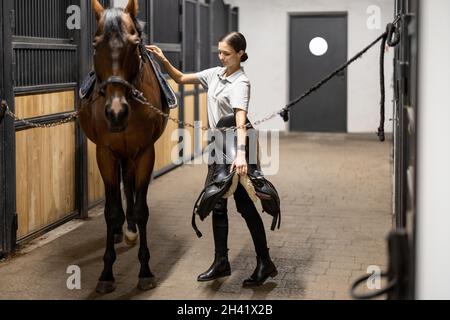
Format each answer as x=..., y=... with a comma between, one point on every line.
x=117, y=59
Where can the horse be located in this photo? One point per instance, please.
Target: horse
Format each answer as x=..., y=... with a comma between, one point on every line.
x=124, y=130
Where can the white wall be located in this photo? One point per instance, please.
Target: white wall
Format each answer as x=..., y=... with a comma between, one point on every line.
x=433, y=172
x=265, y=24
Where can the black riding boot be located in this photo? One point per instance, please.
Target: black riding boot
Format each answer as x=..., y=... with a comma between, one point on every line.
x=220, y=267
x=264, y=268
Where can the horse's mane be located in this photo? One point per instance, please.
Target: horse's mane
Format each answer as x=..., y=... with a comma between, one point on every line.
x=113, y=24
x=140, y=25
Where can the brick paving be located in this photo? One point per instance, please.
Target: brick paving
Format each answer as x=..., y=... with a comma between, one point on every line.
x=336, y=195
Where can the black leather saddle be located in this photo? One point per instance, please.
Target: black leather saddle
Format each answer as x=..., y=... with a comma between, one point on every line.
x=222, y=183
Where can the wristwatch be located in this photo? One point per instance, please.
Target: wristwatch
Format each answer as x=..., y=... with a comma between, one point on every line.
x=241, y=147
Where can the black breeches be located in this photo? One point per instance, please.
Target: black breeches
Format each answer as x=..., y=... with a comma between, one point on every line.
x=247, y=209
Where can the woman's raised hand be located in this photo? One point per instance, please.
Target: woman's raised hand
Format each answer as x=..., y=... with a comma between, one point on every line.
x=156, y=51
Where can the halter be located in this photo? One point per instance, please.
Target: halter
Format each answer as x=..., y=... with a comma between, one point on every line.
x=135, y=93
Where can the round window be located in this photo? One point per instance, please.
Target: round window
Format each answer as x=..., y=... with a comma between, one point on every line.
x=318, y=46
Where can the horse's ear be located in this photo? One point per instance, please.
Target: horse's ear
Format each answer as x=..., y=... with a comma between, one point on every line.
x=132, y=8
x=98, y=9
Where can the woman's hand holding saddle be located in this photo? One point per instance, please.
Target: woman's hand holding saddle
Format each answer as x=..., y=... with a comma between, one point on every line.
x=240, y=163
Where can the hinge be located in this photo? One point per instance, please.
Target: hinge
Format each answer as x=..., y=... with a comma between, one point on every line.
x=180, y=8
x=12, y=18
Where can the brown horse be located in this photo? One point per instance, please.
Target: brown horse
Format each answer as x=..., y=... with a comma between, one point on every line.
x=124, y=131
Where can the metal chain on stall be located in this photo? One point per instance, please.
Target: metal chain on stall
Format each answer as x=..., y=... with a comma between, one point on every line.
x=391, y=31
x=5, y=110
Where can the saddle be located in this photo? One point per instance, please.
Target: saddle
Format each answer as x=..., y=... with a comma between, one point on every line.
x=88, y=84
x=221, y=183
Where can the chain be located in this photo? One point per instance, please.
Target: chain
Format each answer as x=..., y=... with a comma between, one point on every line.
x=74, y=115
x=189, y=125
x=71, y=117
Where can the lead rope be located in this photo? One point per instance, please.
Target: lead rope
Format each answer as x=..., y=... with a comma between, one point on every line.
x=380, y=132
x=392, y=42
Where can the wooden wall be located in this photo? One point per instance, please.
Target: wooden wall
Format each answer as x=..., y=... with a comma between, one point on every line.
x=189, y=117
x=96, y=188
x=45, y=164
x=37, y=105
x=203, y=116
x=165, y=148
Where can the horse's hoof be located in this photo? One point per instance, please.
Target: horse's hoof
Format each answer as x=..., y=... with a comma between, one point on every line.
x=130, y=237
x=105, y=286
x=118, y=238
x=146, y=283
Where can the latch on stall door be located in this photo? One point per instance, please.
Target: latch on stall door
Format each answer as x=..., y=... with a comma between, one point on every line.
x=397, y=274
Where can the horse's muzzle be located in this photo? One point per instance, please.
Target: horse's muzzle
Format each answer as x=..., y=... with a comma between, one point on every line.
x=117, y=116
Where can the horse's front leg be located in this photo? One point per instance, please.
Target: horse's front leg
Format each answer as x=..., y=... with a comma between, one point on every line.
x=114, y=215
x=144, y=168
x=128, y=175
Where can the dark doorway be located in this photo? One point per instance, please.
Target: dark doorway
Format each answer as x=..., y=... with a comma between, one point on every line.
x=318, y=45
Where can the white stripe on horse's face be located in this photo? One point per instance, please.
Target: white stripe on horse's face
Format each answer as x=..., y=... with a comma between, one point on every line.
x=116, y=45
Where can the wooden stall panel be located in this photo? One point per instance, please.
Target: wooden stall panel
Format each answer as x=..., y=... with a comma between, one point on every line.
x=95, y=183
x=165, y=146
x=189, y=87
x=189, y=117
x=36, y=105
x=174, y=85
x=203, y=117
x=45, y=176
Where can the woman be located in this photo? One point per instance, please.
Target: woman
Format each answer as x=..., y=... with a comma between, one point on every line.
x=229, y=91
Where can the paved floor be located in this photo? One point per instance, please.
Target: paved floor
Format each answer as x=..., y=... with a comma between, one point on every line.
x=336, y=205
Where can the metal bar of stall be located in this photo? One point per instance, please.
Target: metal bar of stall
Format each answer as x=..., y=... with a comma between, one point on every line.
x=8, y=217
